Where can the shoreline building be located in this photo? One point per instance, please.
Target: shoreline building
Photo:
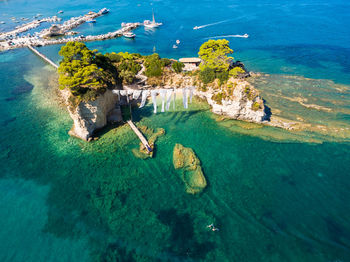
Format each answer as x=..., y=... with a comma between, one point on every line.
x=191, y=63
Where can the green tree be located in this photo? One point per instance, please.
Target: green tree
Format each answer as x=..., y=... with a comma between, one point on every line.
x=222, y=76
x=214, y=55
x=178, y=66
x=115, y=58
x=153, y=65
x=165, y=62
x=86, y=73
x=236, y=71
x=76, y=51
x=127, y=76
x=207, y=75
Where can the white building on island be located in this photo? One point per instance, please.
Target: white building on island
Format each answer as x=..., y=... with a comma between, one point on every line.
x=191, y=63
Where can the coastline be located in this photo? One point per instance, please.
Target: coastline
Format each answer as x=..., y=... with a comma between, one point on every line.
x=268, y=189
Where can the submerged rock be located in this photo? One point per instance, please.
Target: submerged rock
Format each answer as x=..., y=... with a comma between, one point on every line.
x=22, y=89
x=185, y=159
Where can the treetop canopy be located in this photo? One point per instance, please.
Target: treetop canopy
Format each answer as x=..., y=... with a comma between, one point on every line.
x=214, y=54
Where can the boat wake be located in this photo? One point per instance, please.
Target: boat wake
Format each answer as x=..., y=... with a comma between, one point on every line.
x=228, y=36
x=216, y=23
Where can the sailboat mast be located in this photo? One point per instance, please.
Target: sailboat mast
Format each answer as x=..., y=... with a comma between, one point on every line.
x=153, y=16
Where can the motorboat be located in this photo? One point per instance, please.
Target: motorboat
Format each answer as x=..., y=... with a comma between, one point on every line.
x=177, y=41
x=175, y=46
x=129, y=35
x=60, y=12
x=242, y=36
x=195, y=28
x=91, y=21
x=104, y=11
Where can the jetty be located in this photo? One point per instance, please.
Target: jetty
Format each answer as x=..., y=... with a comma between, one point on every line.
x=71, y=24
x=140, y=136
x=42, y=56
x=28, y=26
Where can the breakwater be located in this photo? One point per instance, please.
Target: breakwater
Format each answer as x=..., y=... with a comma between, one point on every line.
x=25, y=41
x=28, y=26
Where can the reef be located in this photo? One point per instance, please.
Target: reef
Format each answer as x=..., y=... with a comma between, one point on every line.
x=192, y=175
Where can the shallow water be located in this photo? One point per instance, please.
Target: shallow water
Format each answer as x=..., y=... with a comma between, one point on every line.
x=275, y=195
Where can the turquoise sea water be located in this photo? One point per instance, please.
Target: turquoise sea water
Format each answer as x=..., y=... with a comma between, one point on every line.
x=275, y=195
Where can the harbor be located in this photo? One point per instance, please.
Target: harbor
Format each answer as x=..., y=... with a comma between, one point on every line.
x=62, y=32
x=21, y=42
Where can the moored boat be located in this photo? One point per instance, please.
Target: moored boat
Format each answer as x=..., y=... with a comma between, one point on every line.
x=151, y=24
x=129, y=35
x=104, y=11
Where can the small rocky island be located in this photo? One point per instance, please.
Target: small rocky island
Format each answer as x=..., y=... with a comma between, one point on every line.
x=188, y=163
x=90, y=80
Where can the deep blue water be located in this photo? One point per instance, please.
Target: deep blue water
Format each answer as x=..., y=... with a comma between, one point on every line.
x=274, y=196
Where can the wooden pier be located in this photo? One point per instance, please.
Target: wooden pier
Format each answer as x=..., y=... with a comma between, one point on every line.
x=42, y=56
x=140, y=136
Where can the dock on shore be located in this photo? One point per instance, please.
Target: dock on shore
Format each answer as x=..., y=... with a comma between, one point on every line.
x=140, y=136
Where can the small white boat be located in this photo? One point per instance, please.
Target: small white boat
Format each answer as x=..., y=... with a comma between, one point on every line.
x=129, y=35
x=242, y=36
x=60, y=12
x=151, y=24
x=91, y=21
x=195, y=28
x=2, y=22
x=177, y=41
x=175, y=46
x=104, y=11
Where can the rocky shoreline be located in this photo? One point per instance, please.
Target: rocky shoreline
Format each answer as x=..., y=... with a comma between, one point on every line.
x=240, y=107
x=89, y=117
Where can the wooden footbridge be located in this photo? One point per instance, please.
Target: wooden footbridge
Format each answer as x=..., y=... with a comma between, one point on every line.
x=42, y=56
x=140, y=136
